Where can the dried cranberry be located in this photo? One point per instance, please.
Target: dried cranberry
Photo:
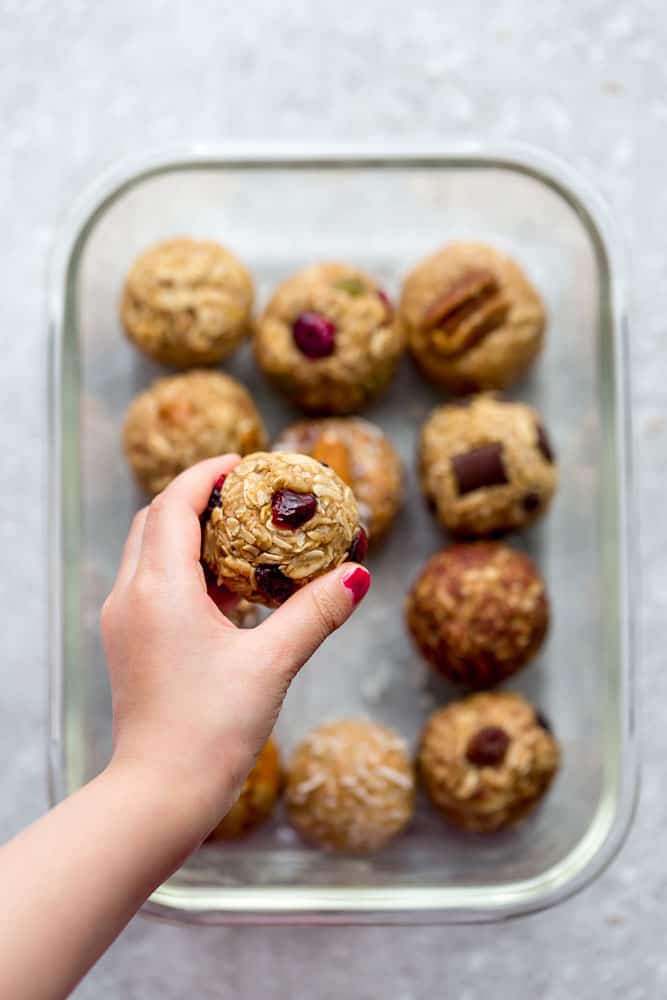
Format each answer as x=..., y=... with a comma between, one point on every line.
x=215, y=499
x=542, y=721
x=290, y=509
x=273, y=583
x=386, y=301
x=488, y=747
x=314, y=335
x=531, y=502
x=359, y=546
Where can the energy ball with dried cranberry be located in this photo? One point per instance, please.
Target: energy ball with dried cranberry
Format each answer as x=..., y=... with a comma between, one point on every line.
x=187, y=303
x=486, y=466
x=478, y=612
x=328, y=339
x=472, y=318
x=363, y=457
x=350, y=786
x=277, y=521
x=183, y=419
x=487, y=761
x=257, y=799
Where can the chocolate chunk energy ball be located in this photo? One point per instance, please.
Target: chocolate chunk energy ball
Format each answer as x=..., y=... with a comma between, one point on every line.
x=276, y=522
x=328, y=339
x=257, y=799
x=187, y=303
x=486, y=467
x=363, y=457
x=183, y=419
x=472, y=318
x=478, y=612
x=486, y=761
x=350, y=786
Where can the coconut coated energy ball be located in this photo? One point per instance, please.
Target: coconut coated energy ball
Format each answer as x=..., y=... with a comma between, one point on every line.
x=363, y=457
x=183, y=419
x=487, y=466
x=276, y=522
x=328, y=340
x=478, y=612
x=187, y=303
x=350, y=786
x=487, y=761
x=472, y=318
x=257, y=799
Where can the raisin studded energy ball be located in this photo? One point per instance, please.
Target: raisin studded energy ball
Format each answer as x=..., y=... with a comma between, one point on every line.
x=363, y=457
x=187, y=303
x=183, y=419
x=257, y=799
x=328, y=340
x=472, y=318
x=276, y=522
x=478, y=612
x=350, y=786
x=486, y=466
x=486, y=761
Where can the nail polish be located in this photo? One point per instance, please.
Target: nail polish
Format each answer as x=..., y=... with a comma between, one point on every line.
x=357, y=581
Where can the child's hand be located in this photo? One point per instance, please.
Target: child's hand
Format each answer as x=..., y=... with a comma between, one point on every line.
x=195, y=698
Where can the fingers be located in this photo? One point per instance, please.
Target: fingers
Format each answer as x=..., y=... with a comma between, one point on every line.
x=132, y=549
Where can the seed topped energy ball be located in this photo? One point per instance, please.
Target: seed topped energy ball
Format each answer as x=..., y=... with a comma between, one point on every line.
x=486, y=761
x=478, y=612
x=486, y=465
x=258, y=797
x=328, y=340
x=183, y=419
x=350, y=786
x=472, y=318
x=363, y=457
x=187, y=303
x=276, y=522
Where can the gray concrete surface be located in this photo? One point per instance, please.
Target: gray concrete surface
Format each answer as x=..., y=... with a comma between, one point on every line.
x=82, y=84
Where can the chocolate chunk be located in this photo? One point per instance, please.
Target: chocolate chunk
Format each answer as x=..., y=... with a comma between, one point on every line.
x=530, y=502
x=479, y=468
x=542, y=720
x=544, y=444
x=488, y=747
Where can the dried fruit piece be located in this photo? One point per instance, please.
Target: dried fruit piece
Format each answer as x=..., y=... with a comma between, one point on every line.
x=334, y=453
x=176, y=411
x=479, y=468
x=542, y=720
x=531, y=502
x=544, y=444
x=388, y=304
x=290, y=509
x=215, y=499
x=466, y=312
x=273, y=582
x=488, y=747
x=353, y=286
x=314, y=335
x=359, y=546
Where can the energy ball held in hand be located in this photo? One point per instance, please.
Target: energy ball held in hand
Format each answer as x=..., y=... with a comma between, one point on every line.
x=276, y=522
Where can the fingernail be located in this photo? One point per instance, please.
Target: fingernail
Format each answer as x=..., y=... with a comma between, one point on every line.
x=357, y=581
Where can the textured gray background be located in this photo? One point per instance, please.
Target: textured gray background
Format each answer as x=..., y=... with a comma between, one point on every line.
x=82, y=84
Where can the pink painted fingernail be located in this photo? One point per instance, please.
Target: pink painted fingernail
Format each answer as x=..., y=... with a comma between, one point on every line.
x=357, y=581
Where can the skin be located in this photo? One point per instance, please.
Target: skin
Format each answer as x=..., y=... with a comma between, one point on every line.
x=189, y=689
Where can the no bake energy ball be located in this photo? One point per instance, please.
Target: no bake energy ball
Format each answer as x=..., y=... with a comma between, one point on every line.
x=363, y=457
x=486, y=761
x=328, y=340
x=478, y=612
x=487, y=466
x=257, y=799
x=350, y=786
x=276, y=522
x=183, y=419
x=187, y=303
x=472, y=318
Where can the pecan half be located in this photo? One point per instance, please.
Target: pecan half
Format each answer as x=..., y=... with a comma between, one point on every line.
x=466, y=312
x=334, y=454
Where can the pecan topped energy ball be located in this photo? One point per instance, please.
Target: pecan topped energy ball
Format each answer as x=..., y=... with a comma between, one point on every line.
x=187, y=303
x=328, y=340
x=478, y=612
x=276, y=522
x=472, y=318
x=486, y=761
x=486, y=466
x=183, y=419
x=363, y=457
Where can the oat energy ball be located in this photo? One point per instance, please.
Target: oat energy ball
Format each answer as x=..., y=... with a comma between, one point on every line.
x=257, y=799
x=486, y=761
x=276, y=522
x=478, y=612
x=472, y=318
x=363, y=457
x=328, y=340
x=187, y=303
x=486, y=466
x=183, y=419
x=350, y=786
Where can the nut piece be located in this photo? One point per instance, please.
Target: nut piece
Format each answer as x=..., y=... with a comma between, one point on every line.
x=350, y=786
x=257, y=799
x=478, y=612
x=264, y=561
x=483, y=794
x=183, y=419
x=466, y=312
x=187, y=303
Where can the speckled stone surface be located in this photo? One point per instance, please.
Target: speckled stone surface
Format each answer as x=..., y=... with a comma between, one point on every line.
x=82, y=84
